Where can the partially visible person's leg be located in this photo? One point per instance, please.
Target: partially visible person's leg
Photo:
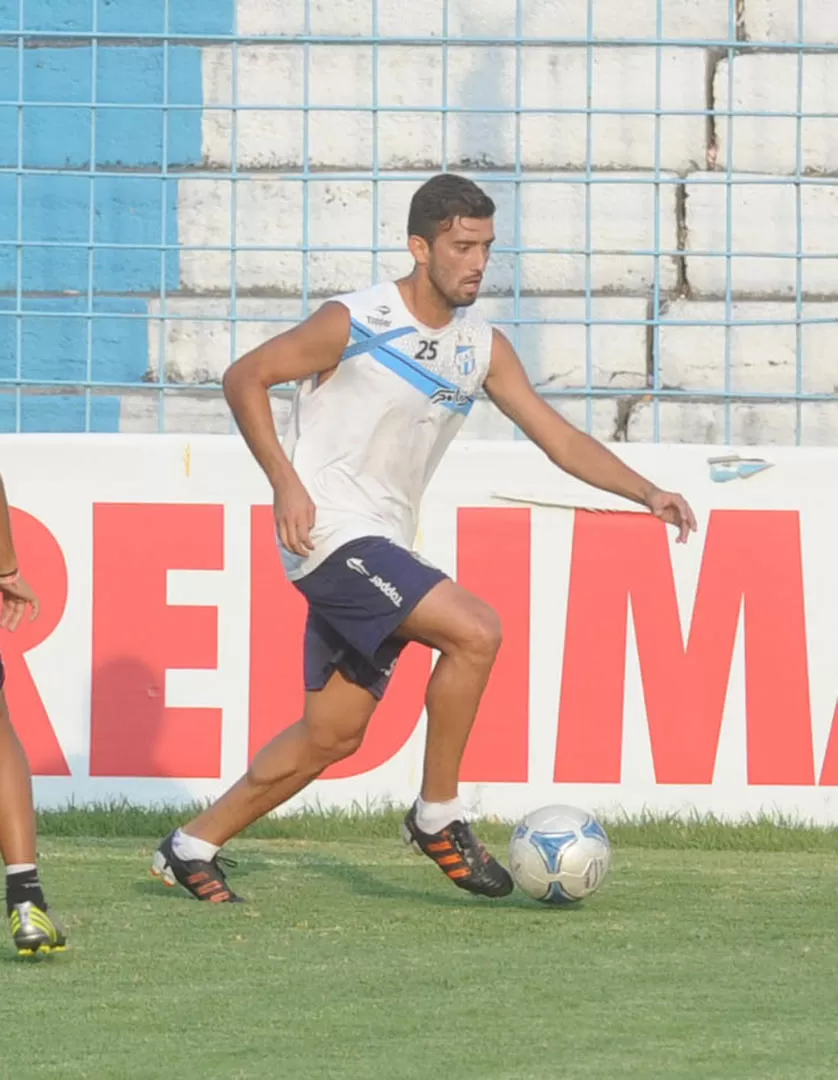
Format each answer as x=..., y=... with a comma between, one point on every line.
x=33, y=927
x=17, y=814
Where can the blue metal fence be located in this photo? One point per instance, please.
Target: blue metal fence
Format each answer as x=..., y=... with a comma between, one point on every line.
x=102, y=118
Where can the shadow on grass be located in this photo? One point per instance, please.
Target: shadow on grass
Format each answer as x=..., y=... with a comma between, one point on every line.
x=377, y=887
x=349, y=876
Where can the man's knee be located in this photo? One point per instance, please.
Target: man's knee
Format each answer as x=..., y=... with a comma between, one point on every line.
x=335, y=720
x=479, y=633
x=329, y=745
x=486, y=631
x=456, y=622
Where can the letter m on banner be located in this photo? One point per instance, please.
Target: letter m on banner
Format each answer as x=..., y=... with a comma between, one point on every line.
x=751, y=568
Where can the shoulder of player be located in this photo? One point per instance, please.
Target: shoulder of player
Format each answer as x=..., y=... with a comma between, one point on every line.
x=371, y=308
x=369, y=297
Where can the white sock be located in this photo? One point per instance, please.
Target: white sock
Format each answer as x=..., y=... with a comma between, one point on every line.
x=431, y=817
x=188, y=847
x=19, y=868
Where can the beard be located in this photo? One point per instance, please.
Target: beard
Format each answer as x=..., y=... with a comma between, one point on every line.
x=452, y=297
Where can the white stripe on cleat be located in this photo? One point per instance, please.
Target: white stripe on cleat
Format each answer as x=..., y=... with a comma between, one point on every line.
x=161, y=869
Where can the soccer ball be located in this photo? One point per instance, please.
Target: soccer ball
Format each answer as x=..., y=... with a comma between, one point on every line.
x=559, y=854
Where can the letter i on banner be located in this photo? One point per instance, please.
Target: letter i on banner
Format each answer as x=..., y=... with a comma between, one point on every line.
x=493, y=562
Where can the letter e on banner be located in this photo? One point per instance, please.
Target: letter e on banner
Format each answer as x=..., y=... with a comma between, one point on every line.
x=137, y=637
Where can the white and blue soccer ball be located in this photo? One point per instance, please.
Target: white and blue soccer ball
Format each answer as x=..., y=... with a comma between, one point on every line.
x=559, y=854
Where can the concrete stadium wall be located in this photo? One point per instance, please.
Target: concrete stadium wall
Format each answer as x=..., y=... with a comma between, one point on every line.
x=179, y=307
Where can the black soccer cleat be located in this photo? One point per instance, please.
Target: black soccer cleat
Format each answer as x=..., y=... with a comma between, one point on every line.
x=204, y=880
x=460, y=855
x=36, y=930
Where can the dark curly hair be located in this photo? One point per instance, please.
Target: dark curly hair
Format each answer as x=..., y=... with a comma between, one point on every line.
x=443, y=198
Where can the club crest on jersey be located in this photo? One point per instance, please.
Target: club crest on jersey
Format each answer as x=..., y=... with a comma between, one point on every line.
x=466, y=359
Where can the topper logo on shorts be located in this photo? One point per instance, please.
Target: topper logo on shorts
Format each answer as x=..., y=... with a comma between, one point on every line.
x=386, y=587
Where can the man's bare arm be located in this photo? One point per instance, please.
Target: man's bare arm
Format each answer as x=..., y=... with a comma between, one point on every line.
x=574, y=451
x=8, y=557
x=314, y=347
x=15, y=591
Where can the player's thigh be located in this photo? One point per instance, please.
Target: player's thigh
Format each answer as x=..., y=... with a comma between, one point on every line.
x=450, y=618
x=339, y=712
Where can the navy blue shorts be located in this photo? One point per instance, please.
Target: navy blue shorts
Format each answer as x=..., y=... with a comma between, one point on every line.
x=357, y=599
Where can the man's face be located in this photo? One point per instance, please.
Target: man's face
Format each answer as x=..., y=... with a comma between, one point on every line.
x=456, y=260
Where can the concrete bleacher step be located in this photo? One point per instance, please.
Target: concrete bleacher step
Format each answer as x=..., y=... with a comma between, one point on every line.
x=618, y=217
x=187, y=412
x=693, y=346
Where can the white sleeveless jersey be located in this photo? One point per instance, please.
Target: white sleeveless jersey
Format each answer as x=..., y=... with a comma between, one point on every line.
x=366, y=442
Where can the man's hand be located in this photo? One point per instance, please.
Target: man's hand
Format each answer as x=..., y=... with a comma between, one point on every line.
x=674, y=510
x=294, y=512
x=16, y=598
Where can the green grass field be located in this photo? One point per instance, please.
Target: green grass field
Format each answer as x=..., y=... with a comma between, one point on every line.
x=709, y=953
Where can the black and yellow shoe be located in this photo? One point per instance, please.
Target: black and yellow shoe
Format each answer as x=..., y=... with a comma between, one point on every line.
x=460, y=856
x=36, y=931
x=205, y=880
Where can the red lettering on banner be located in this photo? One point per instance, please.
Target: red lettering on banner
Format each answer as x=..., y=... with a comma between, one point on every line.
x=137, y=636
x=829, y=772
x=751, y=558
x=43, y=565
x=493, y=561
x=277, y=622
x=277, y=628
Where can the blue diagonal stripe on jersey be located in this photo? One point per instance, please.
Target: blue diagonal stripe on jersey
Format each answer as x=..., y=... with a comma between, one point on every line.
x=373, y=342
x=403, y=365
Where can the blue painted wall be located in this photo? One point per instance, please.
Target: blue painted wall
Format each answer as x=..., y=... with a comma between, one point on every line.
x=63, y=105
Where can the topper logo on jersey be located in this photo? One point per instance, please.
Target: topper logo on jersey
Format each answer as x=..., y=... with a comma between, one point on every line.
x=455, y=397
x=379, y=317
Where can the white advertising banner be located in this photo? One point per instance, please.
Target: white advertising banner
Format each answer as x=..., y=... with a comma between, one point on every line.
x=635, y=675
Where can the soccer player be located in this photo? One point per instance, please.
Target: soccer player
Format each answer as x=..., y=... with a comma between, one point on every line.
x=34, y=927
x=386, y=378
